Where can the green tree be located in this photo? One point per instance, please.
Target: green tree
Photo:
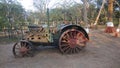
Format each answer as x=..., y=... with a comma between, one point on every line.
x=11, y=15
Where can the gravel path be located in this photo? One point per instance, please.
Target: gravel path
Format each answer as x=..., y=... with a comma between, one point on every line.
x=102, y=51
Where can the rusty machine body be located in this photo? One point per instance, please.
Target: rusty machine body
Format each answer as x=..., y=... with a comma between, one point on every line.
x=68, y=38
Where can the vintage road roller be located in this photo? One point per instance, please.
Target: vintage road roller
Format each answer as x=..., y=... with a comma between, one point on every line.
x=68, y=38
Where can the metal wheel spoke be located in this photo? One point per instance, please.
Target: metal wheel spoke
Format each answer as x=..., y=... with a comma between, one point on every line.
x=84, y=39
x=67, y=36
x=21, y=49
x=72, y=41
x=79, y=47
x=74, y=50
x=24, y=44
x=81, y=44
x=28, y=53
x=18, y=46
x=64, y=40
x=65, y=48
x=17, y=50
x=18, y=53
x=77, y=50
x=64, y=37
x=79, y=34
x=21, y=43
x=71, y=34
x=28, y=47
x=75, y=34
x=68, y=50
x=64, y=45
x=71, y=50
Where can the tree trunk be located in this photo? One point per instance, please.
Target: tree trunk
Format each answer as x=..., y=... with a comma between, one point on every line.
x=119, y=24
x=110, y=10
x=85, y=12
x=99, y=12
x=110, y=26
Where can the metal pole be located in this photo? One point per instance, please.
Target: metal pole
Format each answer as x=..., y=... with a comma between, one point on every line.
x=48, y=23
x=48, y=26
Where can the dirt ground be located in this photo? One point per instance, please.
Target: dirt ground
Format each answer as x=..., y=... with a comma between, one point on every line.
x=102, y=51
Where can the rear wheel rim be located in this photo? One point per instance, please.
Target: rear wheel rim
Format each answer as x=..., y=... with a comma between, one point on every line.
x=72, y=41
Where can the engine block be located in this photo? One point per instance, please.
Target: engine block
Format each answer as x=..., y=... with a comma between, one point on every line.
x=37, y=35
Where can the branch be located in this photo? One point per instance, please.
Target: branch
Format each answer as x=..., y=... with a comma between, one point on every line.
x=96, y=21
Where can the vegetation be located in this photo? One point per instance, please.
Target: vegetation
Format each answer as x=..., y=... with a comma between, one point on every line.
x=14, y=17
x=11, y=14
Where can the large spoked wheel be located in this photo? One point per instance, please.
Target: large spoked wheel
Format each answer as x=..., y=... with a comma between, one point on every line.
x=72, y=41
x=21, y=49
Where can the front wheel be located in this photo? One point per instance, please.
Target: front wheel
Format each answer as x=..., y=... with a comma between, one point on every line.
x=21, y=49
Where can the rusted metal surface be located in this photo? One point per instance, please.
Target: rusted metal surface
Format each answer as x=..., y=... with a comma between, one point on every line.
x=72, y=41
x=110, y=30
x=21, y=49
x=37, y=34
x=69, y=39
